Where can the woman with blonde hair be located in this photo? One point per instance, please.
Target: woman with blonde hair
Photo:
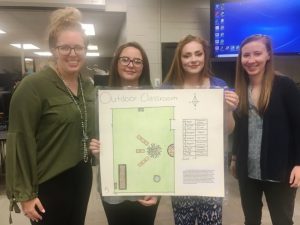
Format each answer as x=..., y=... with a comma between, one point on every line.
x=50, y=122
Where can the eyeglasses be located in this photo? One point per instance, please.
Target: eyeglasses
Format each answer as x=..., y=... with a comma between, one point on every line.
x=125, y=61
x=66, y=50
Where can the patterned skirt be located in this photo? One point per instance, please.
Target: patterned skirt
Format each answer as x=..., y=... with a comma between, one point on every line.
x=189, y=209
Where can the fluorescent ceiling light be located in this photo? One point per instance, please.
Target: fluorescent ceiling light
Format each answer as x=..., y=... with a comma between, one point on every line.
x=16, y=45
x=92, y=54
x=89, y=29
x=30, y=46
x=2, y=32
x=93, y=47
x=28, y=59
x=25, y=46
x=43, y=53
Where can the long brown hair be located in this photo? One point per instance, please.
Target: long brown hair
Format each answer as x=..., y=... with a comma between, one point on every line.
x=115, y=79
x=176, y=72
x=242, y=78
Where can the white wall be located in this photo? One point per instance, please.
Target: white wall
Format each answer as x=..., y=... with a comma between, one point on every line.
x=143, y=22
x=115, y=5
x=179, y=18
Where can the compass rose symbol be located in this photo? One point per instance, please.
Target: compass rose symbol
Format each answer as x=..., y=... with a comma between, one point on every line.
x=195, y=101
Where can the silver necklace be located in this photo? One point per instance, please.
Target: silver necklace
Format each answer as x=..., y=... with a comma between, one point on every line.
x=83, y=115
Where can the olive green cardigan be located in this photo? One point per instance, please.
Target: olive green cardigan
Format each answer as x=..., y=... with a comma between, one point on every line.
x=44, y=136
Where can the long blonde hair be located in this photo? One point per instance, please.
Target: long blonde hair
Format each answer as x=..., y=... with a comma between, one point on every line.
x=176, y=73
x=242, y=78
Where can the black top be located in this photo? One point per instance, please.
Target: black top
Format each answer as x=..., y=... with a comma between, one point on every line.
x=280, y=146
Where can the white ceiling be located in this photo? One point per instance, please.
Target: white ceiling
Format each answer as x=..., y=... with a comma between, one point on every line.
x=30, y=26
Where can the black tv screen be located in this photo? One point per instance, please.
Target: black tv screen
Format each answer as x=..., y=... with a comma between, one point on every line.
x=233, y=20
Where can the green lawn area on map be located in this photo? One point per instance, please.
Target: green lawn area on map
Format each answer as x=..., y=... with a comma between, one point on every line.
x=142, y=145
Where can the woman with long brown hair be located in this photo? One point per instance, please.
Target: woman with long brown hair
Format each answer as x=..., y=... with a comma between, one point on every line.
x=191, y=69
x=129, y=70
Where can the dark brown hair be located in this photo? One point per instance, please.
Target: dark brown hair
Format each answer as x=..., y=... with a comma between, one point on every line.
x=114, y=78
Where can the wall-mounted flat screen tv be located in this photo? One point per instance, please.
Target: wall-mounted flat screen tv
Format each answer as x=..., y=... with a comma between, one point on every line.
x=233, y=20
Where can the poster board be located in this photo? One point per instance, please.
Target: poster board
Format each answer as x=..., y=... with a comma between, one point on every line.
x=161, y=142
